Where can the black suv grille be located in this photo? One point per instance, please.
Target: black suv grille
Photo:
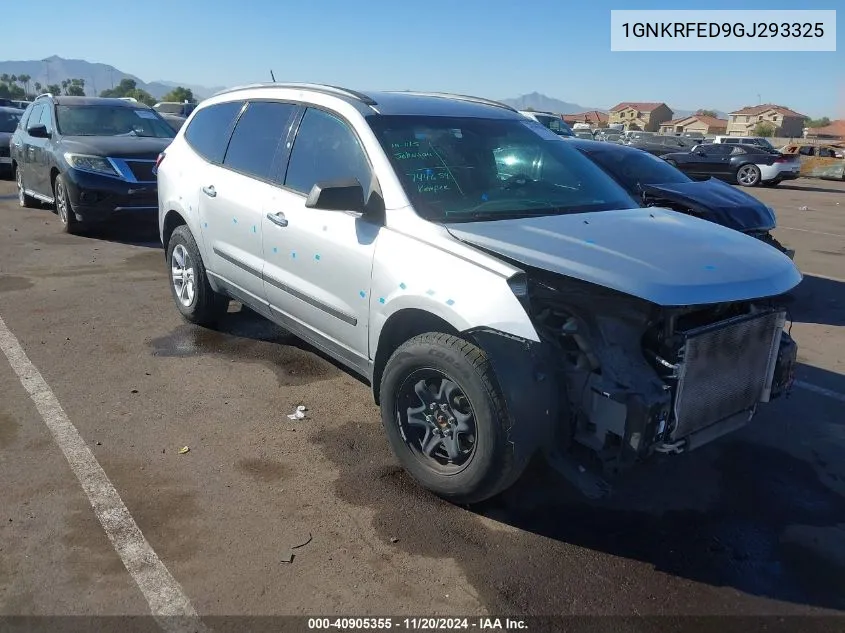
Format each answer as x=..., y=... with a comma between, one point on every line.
x=4, y=150
x=142, y=170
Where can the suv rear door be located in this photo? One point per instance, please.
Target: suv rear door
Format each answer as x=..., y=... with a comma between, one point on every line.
x=318, y=263
x=234, y=194
x=28, y=149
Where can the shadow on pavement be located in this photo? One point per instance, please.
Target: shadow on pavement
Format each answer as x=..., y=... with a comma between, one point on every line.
x=810, y=188
x=818, y=300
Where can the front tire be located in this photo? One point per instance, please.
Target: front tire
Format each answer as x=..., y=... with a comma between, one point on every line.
x=446, y=419
x=748, y=175
x=192, y=293
x=64, y=209
x=27, y=202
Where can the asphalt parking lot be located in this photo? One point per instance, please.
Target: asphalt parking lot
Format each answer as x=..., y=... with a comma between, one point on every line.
x=753, y=524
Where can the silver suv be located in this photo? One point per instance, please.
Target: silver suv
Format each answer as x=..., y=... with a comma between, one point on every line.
x=502, y=295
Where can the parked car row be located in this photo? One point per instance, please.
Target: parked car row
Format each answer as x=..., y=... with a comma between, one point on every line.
x=504, y=288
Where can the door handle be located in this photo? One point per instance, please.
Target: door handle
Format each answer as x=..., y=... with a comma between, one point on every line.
x=277, y=218
x=210, y=191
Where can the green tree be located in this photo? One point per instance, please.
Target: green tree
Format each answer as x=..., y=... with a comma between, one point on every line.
x=4, y=78
x=180, y=95
x=712, y=113
x=37, y=85
x=764, y=129
x=822, y=122
x=5, y=93
x=65, y=84
x=54, y=89
x=76, y=88
x=24, y=79
x=128, y=88
x=13, y=79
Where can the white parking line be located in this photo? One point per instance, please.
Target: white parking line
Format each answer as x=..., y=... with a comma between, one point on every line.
x=820, y=390
x=792, y=228
x=168, y=603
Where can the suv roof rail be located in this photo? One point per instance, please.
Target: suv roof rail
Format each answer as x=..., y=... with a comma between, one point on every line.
x=460, y=97
x=323, y=88
x=44, y=94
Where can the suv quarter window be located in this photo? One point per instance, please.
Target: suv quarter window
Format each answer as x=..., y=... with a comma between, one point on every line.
x=209, y=131
x=255, y=141
x=325, y=148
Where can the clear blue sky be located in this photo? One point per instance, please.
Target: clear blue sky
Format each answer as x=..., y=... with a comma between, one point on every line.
x=497, y=49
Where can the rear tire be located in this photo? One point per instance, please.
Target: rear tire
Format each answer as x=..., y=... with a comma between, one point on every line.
x=446, y=419
x=27, y=202
x=748, y=175
x=192, y=293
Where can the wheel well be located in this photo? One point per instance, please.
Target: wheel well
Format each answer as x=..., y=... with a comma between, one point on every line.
x=400, y=327
x=53, y=174
x=171, y=221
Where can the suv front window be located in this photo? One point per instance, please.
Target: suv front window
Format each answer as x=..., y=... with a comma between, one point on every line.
x=107, y=120
x=461, y=169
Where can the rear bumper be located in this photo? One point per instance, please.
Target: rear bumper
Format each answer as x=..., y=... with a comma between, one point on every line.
x=97, y=198
x=780, y=171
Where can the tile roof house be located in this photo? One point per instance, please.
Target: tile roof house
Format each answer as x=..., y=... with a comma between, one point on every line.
x=595, y=118
x=636, y=115
x=836, y=130
x=695, y=123
x=786, y=122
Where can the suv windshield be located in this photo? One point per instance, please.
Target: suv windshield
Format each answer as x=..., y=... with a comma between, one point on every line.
x=110, y=120
x=464, y=169
x=9, y=121
x=636, y=168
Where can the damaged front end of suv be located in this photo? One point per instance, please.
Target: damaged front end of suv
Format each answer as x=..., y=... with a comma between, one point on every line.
x=661, y=332
x=640, y=378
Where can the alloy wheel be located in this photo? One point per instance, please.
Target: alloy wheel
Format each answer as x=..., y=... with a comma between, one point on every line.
x=182, y=275
x=747, y=175
x=19, y=180
x=61, y=202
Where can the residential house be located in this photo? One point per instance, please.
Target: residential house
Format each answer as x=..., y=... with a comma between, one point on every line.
x=593, y=118
x=836, y=131
x=698, y=123
x=640, y=116
x=787, y=123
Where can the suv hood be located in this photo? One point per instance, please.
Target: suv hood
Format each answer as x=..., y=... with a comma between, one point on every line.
x=665, y=257
x=718, y=202
x=116, y=146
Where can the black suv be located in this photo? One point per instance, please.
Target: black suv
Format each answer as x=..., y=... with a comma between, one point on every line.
x=93, y=157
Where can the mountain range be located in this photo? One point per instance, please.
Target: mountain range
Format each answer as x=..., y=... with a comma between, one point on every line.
x=99, y=77
x=541, y=102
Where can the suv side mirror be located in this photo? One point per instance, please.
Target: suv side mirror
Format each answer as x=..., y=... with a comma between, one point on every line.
x=38, y=131
x=337, y=195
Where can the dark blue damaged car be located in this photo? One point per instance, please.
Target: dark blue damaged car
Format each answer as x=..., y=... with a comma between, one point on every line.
x=654, y=182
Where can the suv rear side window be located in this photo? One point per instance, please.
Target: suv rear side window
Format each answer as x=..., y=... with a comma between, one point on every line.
x=209, y=130
x=256, y=138
x=34, y=116
x=325, y=149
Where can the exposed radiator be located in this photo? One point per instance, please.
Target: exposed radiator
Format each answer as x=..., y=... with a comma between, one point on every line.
x=724, y=369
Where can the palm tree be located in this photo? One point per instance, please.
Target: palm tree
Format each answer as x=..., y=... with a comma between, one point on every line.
x=65, y=84
x=24, y=79
x=13, y=79
x=37, y=86
x=4, y=78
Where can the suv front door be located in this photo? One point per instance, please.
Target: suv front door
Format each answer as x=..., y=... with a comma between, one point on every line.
x=234, y=194
x=318, y=264
x=42, y=153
